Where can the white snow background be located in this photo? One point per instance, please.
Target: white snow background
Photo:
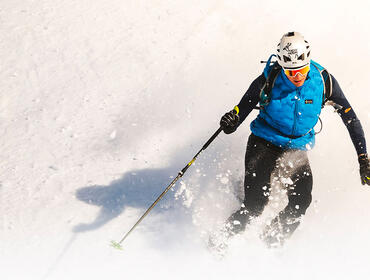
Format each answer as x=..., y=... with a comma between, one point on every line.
x=103, y=101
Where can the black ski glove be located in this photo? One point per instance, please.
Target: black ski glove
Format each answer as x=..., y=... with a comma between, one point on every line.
x=364, y=169
x=229, y=121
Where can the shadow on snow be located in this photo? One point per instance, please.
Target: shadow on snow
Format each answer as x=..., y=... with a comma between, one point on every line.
x=140, y=188
x=137, y=188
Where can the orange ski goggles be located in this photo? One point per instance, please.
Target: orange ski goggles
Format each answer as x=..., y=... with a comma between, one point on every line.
x=294, y=72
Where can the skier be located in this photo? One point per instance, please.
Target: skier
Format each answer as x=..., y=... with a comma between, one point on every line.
x=291, y=93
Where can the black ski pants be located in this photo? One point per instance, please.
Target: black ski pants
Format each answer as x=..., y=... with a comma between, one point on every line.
x=265, y=162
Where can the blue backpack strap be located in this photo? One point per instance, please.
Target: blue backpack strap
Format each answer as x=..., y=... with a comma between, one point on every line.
x=328, y=89
x=327, y=81
x=328, y=86
x=267, y=69
x=271, y=72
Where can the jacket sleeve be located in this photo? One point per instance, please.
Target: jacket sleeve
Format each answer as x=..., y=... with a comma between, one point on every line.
x=349, y=118
x=251, y=98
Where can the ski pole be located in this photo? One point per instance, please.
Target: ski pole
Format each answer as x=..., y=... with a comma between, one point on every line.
x=117, y=245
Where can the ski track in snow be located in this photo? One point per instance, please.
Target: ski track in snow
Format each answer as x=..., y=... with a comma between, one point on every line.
x=102, y=103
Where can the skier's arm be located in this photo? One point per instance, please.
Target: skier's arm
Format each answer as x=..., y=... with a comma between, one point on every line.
x=231, y=120
x=354, y=128
x=250, y=98
x=349, y=118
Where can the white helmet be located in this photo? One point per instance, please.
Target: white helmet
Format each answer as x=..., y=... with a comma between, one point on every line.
x=293, y=51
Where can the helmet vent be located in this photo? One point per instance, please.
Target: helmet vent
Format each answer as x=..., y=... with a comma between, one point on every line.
x=286, y=58
x=301, y=57
x=308, y=54
x=290, y=34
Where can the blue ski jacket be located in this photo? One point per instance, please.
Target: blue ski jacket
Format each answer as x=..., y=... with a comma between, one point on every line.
x=288, y=120
x=290, y=116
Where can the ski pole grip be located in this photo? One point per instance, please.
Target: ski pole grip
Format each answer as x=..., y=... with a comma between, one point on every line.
x=236, y=109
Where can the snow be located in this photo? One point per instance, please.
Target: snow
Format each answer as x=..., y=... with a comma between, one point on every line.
x=103, y=102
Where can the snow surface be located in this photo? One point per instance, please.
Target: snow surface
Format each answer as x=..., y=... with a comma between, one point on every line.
x=103, y=101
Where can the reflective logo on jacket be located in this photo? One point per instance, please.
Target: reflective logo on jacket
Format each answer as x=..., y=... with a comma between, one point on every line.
x=289, y=118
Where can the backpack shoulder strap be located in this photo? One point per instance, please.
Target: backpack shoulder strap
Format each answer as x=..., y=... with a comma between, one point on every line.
x=265, y=93
x=327, y=82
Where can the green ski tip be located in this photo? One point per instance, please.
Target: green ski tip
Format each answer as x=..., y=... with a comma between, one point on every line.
x=116, y=245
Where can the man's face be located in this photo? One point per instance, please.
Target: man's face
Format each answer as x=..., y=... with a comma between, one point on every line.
x=298, y=80
x=297, y=76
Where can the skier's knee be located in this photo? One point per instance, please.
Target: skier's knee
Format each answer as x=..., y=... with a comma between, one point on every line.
x=298, y=207
x=304, y=204
x=255, y=205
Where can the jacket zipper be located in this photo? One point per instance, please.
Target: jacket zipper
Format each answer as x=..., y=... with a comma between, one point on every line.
x=297, y=98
